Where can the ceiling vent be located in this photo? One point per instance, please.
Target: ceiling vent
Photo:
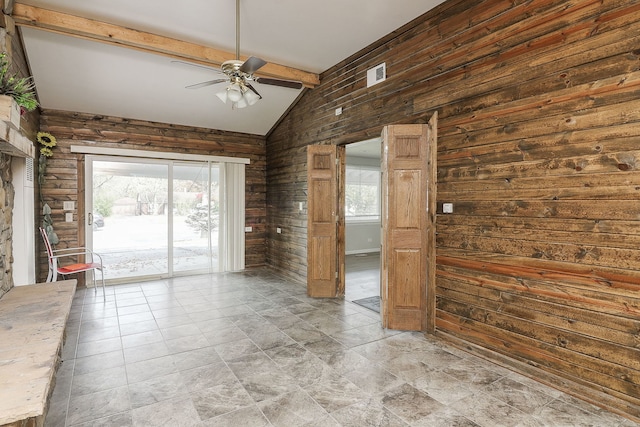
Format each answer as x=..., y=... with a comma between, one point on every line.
x=376, y=74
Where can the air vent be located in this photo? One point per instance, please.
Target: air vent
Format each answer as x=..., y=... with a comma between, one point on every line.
x=29, y=172
x=376, y=74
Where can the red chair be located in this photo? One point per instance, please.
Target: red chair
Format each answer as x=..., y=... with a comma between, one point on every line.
x=93, y=262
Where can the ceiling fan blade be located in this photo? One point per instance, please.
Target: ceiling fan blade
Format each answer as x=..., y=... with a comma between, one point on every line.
x=205, y=84
x=252, y=89
x=252, y=65
x=215, y=70
x=277, y=82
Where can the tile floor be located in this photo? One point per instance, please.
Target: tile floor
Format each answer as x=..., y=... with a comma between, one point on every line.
x=362, y=276
x=251, y=349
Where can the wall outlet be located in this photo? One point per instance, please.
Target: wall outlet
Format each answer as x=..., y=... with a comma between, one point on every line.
x=68, y=217
x=447, y=208
x=278, y=230
x=248, y=229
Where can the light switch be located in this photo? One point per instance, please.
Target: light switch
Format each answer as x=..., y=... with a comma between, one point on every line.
x=68, y=206
x=278, y=230
x=447, y=208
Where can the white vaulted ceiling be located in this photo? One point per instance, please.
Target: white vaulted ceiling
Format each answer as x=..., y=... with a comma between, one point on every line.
x=83, y=75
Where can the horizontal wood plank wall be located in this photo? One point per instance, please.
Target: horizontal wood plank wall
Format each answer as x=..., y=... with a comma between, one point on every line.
x=539, y=152
x=80, y=129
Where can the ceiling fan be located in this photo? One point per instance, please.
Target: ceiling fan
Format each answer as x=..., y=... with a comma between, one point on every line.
x=239, y=74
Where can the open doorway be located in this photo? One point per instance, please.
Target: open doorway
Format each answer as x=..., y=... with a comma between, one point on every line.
x=408, y=213
x=362, y=215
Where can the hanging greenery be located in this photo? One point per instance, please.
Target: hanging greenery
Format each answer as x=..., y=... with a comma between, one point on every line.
x=47, y=142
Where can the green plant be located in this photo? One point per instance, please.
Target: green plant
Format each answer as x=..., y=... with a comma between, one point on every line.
x=103, y=205
x=21, y=89
x=203, y=219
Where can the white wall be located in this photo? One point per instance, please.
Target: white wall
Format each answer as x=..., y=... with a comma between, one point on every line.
x=362, y=236
x=24, y=233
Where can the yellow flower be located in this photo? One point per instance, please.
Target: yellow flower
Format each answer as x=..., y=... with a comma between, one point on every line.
x=46, y=151
x=48, y=140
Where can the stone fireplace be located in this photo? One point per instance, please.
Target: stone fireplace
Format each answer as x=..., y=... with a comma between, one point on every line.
x=7, y=200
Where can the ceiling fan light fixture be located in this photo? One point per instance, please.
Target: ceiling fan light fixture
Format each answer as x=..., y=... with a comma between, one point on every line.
x=251, y=97
x=234, y=92
x=239, y=95
x=223, y=96
x=240, y=104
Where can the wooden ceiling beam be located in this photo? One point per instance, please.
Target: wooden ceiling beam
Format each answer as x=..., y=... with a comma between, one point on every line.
x=90, y=29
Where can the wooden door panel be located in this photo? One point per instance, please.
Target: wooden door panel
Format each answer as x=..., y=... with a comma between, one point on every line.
x=321, y=190
x=320, y=269
x=408, y=148
x=406, y=225
x=407, y=287
x=406, y=199
x=325, y=230
x=410, y=239
x=322, y=161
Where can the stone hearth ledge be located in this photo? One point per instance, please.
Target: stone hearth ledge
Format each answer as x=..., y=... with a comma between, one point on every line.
x=12, y=140
x=32, y=324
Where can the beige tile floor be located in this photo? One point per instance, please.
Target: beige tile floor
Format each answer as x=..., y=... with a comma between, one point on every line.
x=251, y=349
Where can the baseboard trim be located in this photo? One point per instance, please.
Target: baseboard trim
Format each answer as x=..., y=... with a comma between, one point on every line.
x=362, y=251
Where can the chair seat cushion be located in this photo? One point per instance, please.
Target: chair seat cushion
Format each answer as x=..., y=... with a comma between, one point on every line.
x=76, y=268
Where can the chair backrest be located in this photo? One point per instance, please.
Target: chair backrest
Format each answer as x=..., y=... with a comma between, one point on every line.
x=47, y=245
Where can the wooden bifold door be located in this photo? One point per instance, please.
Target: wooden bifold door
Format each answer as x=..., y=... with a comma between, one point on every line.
x=407, y=270
x=325, y=221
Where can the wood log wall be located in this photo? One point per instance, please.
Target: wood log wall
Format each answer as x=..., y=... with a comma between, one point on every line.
x=63, y=171
x=539, y=152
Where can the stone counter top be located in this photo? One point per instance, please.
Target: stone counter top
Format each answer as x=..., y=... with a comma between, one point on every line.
x=32, y=324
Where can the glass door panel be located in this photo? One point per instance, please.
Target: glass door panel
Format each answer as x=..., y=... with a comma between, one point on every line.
x=196, y=218
x=129, y=217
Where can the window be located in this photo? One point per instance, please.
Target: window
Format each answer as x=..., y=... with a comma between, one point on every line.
x=362, y=194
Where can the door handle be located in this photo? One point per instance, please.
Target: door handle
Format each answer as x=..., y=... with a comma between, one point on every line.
x=90, y=217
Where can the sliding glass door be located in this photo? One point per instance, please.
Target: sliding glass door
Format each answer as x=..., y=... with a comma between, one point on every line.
x=196, y=217
x=153, y=218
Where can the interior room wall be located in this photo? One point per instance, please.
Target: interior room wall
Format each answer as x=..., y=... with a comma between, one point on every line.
x=538, y=266
x=65, y=170
x=362, y=236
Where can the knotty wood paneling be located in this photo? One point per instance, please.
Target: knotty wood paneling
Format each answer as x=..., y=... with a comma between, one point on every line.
x=539, y=152
x=78, y=129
